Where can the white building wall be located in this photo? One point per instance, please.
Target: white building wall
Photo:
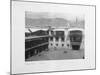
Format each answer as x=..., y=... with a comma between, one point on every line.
x=53, y=44
x=66, y=41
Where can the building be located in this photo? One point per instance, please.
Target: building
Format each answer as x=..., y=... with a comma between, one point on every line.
x=35, y=43
x=60, y=38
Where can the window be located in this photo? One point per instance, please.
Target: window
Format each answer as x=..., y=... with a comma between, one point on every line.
x=52, y=33
x=57, y=38
x=51, y=38
x=62, y=44
x=75, y=36
x=59, y=33
x=62, y=38
x=67, y=45
x=51, y=44
x=56, y=44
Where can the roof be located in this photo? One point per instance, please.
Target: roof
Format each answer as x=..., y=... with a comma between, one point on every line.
x=72, y=29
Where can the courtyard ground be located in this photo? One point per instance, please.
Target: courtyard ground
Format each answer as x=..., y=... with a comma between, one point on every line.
x=58, y=54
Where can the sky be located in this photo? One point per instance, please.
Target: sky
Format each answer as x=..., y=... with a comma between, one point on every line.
x=56, y=20
x=66, y=16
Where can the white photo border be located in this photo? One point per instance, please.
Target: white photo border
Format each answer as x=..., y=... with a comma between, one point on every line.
x=18, y=64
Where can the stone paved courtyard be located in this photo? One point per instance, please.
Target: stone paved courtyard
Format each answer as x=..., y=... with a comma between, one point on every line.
x=58, y=54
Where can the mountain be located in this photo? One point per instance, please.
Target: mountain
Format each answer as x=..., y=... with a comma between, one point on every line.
x=45, y=22
x=53, y=22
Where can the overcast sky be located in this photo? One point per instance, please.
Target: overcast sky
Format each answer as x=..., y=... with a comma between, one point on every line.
x=66, y=16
